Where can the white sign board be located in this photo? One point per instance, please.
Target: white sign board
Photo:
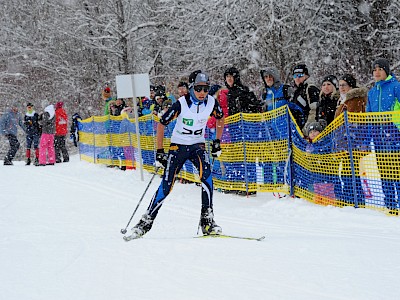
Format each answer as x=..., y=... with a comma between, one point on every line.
x=130, y=86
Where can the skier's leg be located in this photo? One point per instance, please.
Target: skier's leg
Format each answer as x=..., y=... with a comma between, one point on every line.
x=200, y=160
x=176, y=159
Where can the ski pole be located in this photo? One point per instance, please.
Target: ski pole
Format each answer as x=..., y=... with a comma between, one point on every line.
x=123, y=231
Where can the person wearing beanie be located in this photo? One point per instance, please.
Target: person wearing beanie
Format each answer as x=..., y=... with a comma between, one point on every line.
x=33, y=131
x=9, y=123
x=384, y=96
x=305, y=96
x=315, y=128
x=183, y=88
x=352, y=98
x=240, y=98
x=384, y=64
x=187, y=143
x=61, y=132
x=329, y=97
x=46, y=147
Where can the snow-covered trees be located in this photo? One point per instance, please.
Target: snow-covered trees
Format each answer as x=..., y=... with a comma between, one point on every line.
x=66, y=50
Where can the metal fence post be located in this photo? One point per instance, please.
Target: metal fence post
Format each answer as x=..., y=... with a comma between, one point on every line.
x=350, y=149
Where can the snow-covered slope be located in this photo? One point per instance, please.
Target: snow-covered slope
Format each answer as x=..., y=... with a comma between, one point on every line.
x=60, y=239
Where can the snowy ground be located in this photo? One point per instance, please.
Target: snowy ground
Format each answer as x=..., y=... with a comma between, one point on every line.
x=60, y=239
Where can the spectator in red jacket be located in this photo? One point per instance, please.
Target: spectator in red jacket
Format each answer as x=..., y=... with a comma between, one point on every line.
x=61, y=132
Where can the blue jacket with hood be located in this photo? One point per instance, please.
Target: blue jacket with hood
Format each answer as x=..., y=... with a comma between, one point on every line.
x=384, y=95
x=9, y=122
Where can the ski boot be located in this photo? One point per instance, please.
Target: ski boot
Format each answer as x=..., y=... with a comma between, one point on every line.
x=36, y=162
x=207, y=223
x=28, y=162
x=141, y=228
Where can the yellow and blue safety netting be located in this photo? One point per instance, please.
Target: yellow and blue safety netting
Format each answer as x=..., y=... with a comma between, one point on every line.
x=355, y=161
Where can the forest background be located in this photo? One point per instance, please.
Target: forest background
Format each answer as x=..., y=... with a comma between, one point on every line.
x=68, y=50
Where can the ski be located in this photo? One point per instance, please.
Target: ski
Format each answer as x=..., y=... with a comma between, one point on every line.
x=128, y=238
x=225, y=236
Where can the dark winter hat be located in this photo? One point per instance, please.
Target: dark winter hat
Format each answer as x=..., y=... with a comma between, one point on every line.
x=300, y=69
x=183, y=84
x=382, y=63
x=232, y=71
x=332, y=79
x=318, y=126
x=351, y=81
x=214, y=88
x=29, y=104
x=152, y=88
x=197, y=77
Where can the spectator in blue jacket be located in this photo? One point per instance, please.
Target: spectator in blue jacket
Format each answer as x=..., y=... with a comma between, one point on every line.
x=8, y=126
x=276, y=93
x=385, y=97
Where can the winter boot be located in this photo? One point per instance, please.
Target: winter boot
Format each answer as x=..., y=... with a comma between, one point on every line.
x=28, y=157
x=8, y=162
x=207, y=223
x=36, y=162
x=144, y=225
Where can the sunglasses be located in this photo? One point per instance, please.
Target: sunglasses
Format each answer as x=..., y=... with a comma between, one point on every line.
x=199, y=88
x=298, y=75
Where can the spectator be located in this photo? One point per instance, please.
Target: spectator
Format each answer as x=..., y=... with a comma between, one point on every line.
x=385, y=97
x=240, y=98
x=183, y=89
x=146, y=106
x=220, y=94
x=8, y=126
x=46, y=148
x=111, y=108
x=119, y=106
x=329, y=97
x=152, y=93
x=306, y=96
x=33, y=131
x=160, y=98
x=74, y=130
x=276, y=93
x=314, y=129
x=61, y=132
x=352, y=98
x=106, y=95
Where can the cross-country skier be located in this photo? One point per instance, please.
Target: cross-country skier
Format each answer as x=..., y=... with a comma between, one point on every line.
x=187, y=143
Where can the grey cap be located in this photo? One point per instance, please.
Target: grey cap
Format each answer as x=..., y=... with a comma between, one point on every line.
x=197, y=77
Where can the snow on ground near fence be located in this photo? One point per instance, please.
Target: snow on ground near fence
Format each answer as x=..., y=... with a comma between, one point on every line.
x=60, y=239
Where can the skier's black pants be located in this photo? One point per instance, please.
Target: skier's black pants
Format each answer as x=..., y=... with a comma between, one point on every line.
x=14, y=146
x=59, y=147
x=177, y=156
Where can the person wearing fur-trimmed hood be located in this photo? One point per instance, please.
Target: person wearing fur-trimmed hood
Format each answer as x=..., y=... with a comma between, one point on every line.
x=276, y=93
x=352, y=98
x=46, y=148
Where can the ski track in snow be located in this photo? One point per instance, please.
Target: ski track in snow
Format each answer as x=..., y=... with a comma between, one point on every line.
x=60, y=240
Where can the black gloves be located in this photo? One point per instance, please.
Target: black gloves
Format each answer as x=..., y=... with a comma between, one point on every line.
x=216, y=148
x=161, y=158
